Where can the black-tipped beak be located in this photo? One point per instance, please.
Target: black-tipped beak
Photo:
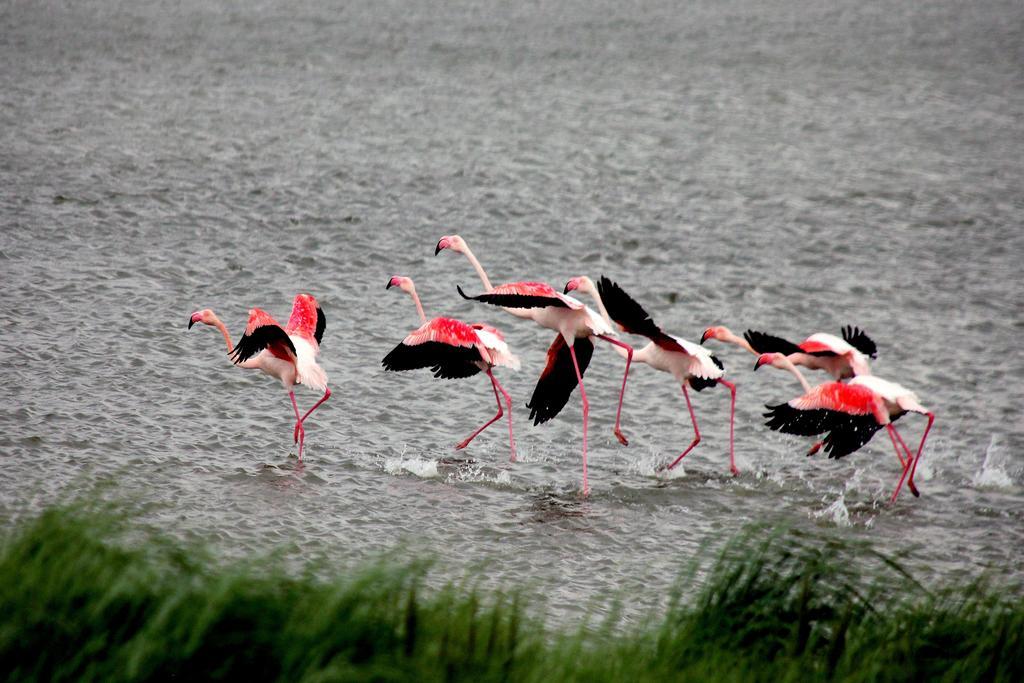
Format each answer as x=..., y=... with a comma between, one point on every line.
x=757, y=364
x=566, y=290
x=437, y=249
x=191, y=322
x=703, y=338
x=389, y=285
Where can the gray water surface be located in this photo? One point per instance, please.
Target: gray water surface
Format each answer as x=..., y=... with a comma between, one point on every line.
x=787, y=166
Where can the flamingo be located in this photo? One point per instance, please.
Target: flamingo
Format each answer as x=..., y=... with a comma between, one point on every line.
x=569, y=354
x=287, y=354
x=691, y=364
x=454, y=349
x=576, y=325
x=851, y=413
x=842, y=358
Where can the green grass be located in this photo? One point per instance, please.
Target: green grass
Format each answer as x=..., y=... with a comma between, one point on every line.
x=86, y=597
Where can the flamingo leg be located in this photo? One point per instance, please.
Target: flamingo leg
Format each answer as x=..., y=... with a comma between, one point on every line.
x=622, y=393
x=301, y=420
x=508, y=402
x=920, y=448
x=696, y=431
x=300, y=431
x=902, y=443
x=892, y=436
x=732, y=424
x=912, y=464
x=586, y=412
x=494, y=386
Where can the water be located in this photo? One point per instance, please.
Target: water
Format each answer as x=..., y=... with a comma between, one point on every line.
x=785, y=166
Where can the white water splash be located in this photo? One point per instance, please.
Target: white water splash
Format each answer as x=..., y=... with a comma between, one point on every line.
x=421, y=467
x=992, y=475
x=837, y=513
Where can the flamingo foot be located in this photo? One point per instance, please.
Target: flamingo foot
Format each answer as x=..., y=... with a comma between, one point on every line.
x=815, y=448
x=460, y=446
x=621, y=437
x=913, y=489
x=735, y=470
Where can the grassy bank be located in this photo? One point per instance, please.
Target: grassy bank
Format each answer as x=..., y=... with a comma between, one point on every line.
x=85, y=597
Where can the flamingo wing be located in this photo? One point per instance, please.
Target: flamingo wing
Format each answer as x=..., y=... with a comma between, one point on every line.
x=850, y=415
x=856, y=337
x=558, y=378
x=632, y=318
x=525, y=295
x=821, y=344
x=445, y=345
x=263, y=332
x=306, y=320
x=762, y=342
x=321, y=325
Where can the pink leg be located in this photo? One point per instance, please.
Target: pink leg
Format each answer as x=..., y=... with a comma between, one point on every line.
x=902, y=443
x=629, y=359
x=892, y=436
x=494, y=385
x=732, y=423
x=920, y=448
x=508, y=402
x=696, y=432
x=327, y=395
x=586, y=413
x=300, y=432
x=912, y=464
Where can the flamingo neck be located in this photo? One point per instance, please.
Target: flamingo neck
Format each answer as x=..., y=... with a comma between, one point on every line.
x=742, y=343
x=786, y=364
x=419, y=306
x=479, y=269
x=224, y=331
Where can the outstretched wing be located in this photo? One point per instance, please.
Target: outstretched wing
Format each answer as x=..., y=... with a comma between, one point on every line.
x=524, y=295
x=767, y=343
x=856, y=337
x=263, y=332
x=631, y=316
x=558, y=379
x=444, y=360
x=445, y=345
x=848, y=413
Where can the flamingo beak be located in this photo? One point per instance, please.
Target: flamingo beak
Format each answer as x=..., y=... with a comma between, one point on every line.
x=391, y=283
x=442, y=243
x=571, y=285
x=704, y=337
x=763, y=359
x=191, y=321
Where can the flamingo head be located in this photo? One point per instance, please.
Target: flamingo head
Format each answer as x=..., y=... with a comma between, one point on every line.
x=582, y=284
x=204, y=316
x=453, y=242
x=403, y=283
x=768, y=359
x=719, y=333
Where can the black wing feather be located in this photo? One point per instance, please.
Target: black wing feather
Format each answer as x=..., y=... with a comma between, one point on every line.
x=850, y=433
x=262, y=337
x=444, y=360
x=515, y=300
x=767, y=343
x=788, y=420
x=856, y=337
x=700, y=383
x=321, y=324
x=556, y=384
x=623, y=309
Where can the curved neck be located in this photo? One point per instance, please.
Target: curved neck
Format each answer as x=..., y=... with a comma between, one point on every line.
x=419, y=306
x=743, y=344
x=786, y=364
x=479, y=269
x=224, y=331
x=596, y=296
